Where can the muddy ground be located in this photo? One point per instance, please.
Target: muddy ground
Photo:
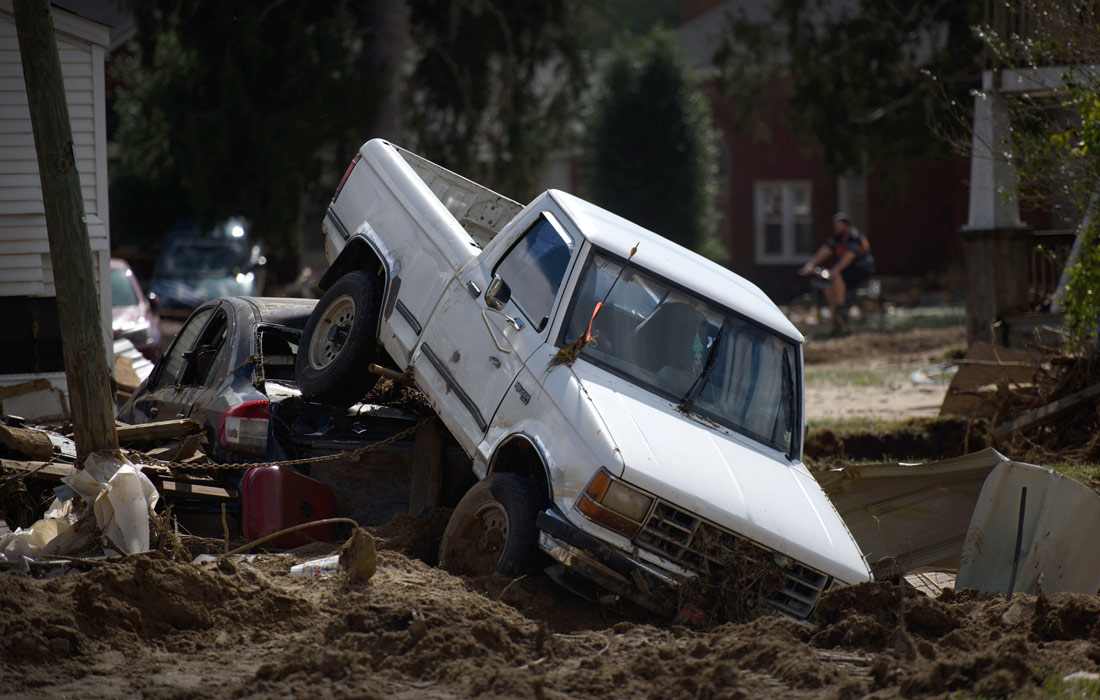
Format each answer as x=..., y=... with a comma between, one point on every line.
x=158, y=627
x=154, y=628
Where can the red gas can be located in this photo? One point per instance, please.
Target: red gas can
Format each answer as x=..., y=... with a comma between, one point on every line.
x=273, y=499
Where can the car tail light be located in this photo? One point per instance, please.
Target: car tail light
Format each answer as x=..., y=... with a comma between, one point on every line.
x=243, y=428
x=611, y=503
x=346, y=174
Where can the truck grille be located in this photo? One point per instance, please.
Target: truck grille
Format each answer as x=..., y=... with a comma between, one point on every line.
x=707, y=549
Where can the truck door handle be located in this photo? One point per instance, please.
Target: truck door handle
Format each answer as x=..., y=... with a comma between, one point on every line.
x=494, y=361
x=473, y=289
x=154, y=410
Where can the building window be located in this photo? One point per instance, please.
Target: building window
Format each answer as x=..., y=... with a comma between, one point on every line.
x=784, y=221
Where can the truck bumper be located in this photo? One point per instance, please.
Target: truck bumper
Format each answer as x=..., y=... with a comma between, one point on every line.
x=587, y=557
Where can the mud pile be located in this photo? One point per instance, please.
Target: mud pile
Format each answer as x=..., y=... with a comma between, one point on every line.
x=163, y=629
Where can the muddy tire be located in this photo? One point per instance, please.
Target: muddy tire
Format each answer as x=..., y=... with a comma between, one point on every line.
x=338, y=343
x=492, y=530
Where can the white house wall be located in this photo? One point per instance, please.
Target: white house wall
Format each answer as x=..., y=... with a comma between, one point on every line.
x=25, y=266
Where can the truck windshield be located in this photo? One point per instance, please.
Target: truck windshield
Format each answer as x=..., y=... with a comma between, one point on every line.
x=706, y=359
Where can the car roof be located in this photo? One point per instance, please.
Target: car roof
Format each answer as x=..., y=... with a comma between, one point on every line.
x=672, y=261
x=284, y=311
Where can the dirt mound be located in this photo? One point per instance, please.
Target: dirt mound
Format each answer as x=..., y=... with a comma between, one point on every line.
x=249, y=630
x=918, y=438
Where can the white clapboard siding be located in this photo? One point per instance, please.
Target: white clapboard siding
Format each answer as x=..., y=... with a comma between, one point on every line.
x=25, y=268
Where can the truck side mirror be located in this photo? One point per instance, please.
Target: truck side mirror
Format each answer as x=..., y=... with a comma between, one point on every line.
x=498, y=293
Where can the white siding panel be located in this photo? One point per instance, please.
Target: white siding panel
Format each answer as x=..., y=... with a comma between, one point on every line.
x=80, y=126
x=76, y=66
x=22, y=207
x=20, y=222
x=11, y=262
x=83, y=153
x=21, y=289
x=23, y=274
x=19, y=167
x=36, y=247
x=18, y=194
x=20, y=180
x=75, y=85
x=30, y=183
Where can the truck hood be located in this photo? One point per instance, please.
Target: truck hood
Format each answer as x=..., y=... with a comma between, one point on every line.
x=722, y=477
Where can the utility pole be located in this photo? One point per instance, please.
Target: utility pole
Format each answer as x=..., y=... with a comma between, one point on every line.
x=70, y=252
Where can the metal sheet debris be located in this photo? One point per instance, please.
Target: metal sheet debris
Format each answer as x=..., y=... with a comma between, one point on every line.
x=1057, y=543
x=909, y=518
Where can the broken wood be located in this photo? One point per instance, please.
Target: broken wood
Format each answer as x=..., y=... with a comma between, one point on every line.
x=40, y=384
x=34, y=445
x=427, y=467
x=157, y=432
x=177, y=488
x=391, y=374
x=178, y=450
x=1045, y=413
x=45, y=470
x=986, y=365
x=126, y=378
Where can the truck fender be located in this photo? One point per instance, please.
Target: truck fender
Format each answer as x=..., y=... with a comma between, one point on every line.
x=366, y=251
x=523, y=454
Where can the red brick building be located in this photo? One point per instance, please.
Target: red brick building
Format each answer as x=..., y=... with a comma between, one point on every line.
x=777, y=197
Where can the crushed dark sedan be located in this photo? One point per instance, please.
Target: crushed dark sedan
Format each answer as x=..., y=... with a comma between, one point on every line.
x=230, y=354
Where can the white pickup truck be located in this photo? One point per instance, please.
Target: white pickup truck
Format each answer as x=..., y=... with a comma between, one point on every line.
x=632, y=409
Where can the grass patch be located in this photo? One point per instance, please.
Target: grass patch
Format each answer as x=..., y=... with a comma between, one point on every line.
x=820, y=378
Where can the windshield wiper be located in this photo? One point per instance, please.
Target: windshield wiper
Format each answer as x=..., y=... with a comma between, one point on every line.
x=701, y=380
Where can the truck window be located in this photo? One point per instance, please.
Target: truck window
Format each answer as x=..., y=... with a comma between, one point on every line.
x=534, y=268
x=704, y=358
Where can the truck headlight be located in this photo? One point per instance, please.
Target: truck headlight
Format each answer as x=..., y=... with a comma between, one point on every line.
x=613, y=504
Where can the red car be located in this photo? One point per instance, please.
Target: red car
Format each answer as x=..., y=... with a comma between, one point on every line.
x=133, y=315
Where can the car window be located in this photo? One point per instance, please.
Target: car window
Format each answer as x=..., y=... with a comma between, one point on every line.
x=122, y=289
x=534, y=268
x=172, y=365
x=207, y=352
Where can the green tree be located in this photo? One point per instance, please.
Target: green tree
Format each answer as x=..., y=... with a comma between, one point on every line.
x=1056, y=132
x=237, y=109
x=649, y=142
x=868, y=80
x=494, y=86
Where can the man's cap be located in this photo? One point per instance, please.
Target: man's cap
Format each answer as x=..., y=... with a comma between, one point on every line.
x=841, y=216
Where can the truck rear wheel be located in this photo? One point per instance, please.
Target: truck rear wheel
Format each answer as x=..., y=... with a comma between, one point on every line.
x=338, y=343
x=492, y=530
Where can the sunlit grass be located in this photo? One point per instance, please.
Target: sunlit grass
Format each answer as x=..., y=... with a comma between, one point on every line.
x=817, y=378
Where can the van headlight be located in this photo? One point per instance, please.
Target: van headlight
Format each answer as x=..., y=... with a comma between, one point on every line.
x=614, y=504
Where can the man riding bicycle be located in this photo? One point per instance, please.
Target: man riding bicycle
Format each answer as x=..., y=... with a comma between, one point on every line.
x=852, y=265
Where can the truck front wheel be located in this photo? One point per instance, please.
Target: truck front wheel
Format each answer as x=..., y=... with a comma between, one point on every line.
x=338, y=342
x=492, y=530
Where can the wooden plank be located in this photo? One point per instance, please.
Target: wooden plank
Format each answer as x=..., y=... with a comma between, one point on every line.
x=1046, y=413
x=185, y=489
x=44, y=470
x=427, y=467
x=40, y=384
x=985, y=365
x=154, y=432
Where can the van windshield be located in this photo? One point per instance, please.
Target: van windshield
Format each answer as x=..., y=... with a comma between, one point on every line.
x=708, y=360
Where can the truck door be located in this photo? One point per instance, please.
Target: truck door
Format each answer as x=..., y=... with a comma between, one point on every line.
x=493, y=315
